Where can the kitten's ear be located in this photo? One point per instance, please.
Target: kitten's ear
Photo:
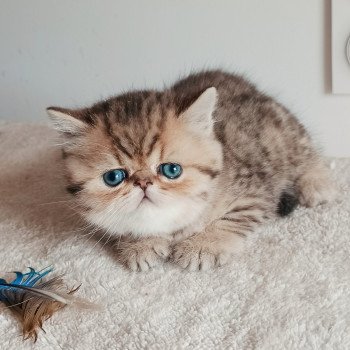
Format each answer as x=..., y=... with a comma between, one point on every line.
x=199, y=115
x=66, y=121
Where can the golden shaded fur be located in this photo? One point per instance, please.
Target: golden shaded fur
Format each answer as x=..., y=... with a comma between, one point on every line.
x=244, y=157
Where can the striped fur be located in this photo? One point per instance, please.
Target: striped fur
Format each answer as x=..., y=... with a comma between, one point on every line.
x=240, y=151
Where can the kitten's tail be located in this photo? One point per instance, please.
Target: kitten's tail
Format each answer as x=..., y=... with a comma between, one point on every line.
x=287, y=202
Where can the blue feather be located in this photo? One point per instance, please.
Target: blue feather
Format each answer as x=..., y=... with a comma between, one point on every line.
x=29, y=279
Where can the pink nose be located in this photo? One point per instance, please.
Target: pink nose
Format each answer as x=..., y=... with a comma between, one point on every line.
x=143, y=183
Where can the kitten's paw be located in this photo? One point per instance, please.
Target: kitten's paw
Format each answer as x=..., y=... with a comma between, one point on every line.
x=317, y=194
x=201, y=253
x=316, y=187
x=143, y=254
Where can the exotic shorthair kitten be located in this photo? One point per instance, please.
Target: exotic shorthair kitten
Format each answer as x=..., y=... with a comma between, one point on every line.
x=186, y=173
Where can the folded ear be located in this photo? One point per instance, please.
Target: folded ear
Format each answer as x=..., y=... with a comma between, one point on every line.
x=66, y=121
x=199, y=115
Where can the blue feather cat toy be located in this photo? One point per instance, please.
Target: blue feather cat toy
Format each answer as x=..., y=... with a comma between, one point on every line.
x=35, y=300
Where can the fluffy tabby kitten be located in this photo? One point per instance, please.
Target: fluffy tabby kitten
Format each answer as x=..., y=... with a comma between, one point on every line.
x=189, y=171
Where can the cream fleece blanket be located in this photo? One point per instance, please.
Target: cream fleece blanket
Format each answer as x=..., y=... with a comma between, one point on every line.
x=290, y=290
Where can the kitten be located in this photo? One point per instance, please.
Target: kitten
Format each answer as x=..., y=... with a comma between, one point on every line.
x=189, y=171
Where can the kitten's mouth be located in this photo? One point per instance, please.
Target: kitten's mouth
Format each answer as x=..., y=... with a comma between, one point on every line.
x=144, y=200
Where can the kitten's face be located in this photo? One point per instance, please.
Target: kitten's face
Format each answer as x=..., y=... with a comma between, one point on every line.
x=165, y=165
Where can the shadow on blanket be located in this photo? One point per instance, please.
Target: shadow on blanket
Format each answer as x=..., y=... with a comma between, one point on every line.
x=33, y=194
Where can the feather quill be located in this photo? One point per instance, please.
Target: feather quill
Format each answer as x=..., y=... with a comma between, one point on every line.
x=35, y=300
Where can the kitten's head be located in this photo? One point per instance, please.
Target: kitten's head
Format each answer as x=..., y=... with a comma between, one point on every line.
x=144, y=162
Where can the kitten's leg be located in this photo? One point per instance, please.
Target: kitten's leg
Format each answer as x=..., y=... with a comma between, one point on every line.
x=142, y=254
x=316, y=186
x=219, y=241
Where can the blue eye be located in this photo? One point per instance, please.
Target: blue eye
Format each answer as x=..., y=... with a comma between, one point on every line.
x=170, y=170
x=114, y=177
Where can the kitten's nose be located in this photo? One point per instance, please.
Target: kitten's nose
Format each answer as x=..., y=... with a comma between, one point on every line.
x=142, y=178
x=143, y=183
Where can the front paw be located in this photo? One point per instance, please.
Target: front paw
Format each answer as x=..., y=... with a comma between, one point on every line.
x=201, y=253
x=143, y=254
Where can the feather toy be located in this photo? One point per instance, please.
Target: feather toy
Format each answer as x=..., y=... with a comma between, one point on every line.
x=35, y=300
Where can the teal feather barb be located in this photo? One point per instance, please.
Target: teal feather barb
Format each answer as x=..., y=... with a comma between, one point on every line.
x=36, y=300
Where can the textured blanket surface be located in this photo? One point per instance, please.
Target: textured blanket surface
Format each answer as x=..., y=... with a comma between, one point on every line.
x=290, y=289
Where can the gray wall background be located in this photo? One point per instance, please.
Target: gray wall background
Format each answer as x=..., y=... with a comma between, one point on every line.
x=71, y=53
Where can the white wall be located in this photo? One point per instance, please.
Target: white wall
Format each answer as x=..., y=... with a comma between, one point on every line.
x=73, y=52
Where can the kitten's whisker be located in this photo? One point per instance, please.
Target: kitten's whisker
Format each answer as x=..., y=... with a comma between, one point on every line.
x=120, y=237
x=90, y=234
x=92, y=231
x=101, y=238
x=110, y=236
x=86, y=226
x=57, y=202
